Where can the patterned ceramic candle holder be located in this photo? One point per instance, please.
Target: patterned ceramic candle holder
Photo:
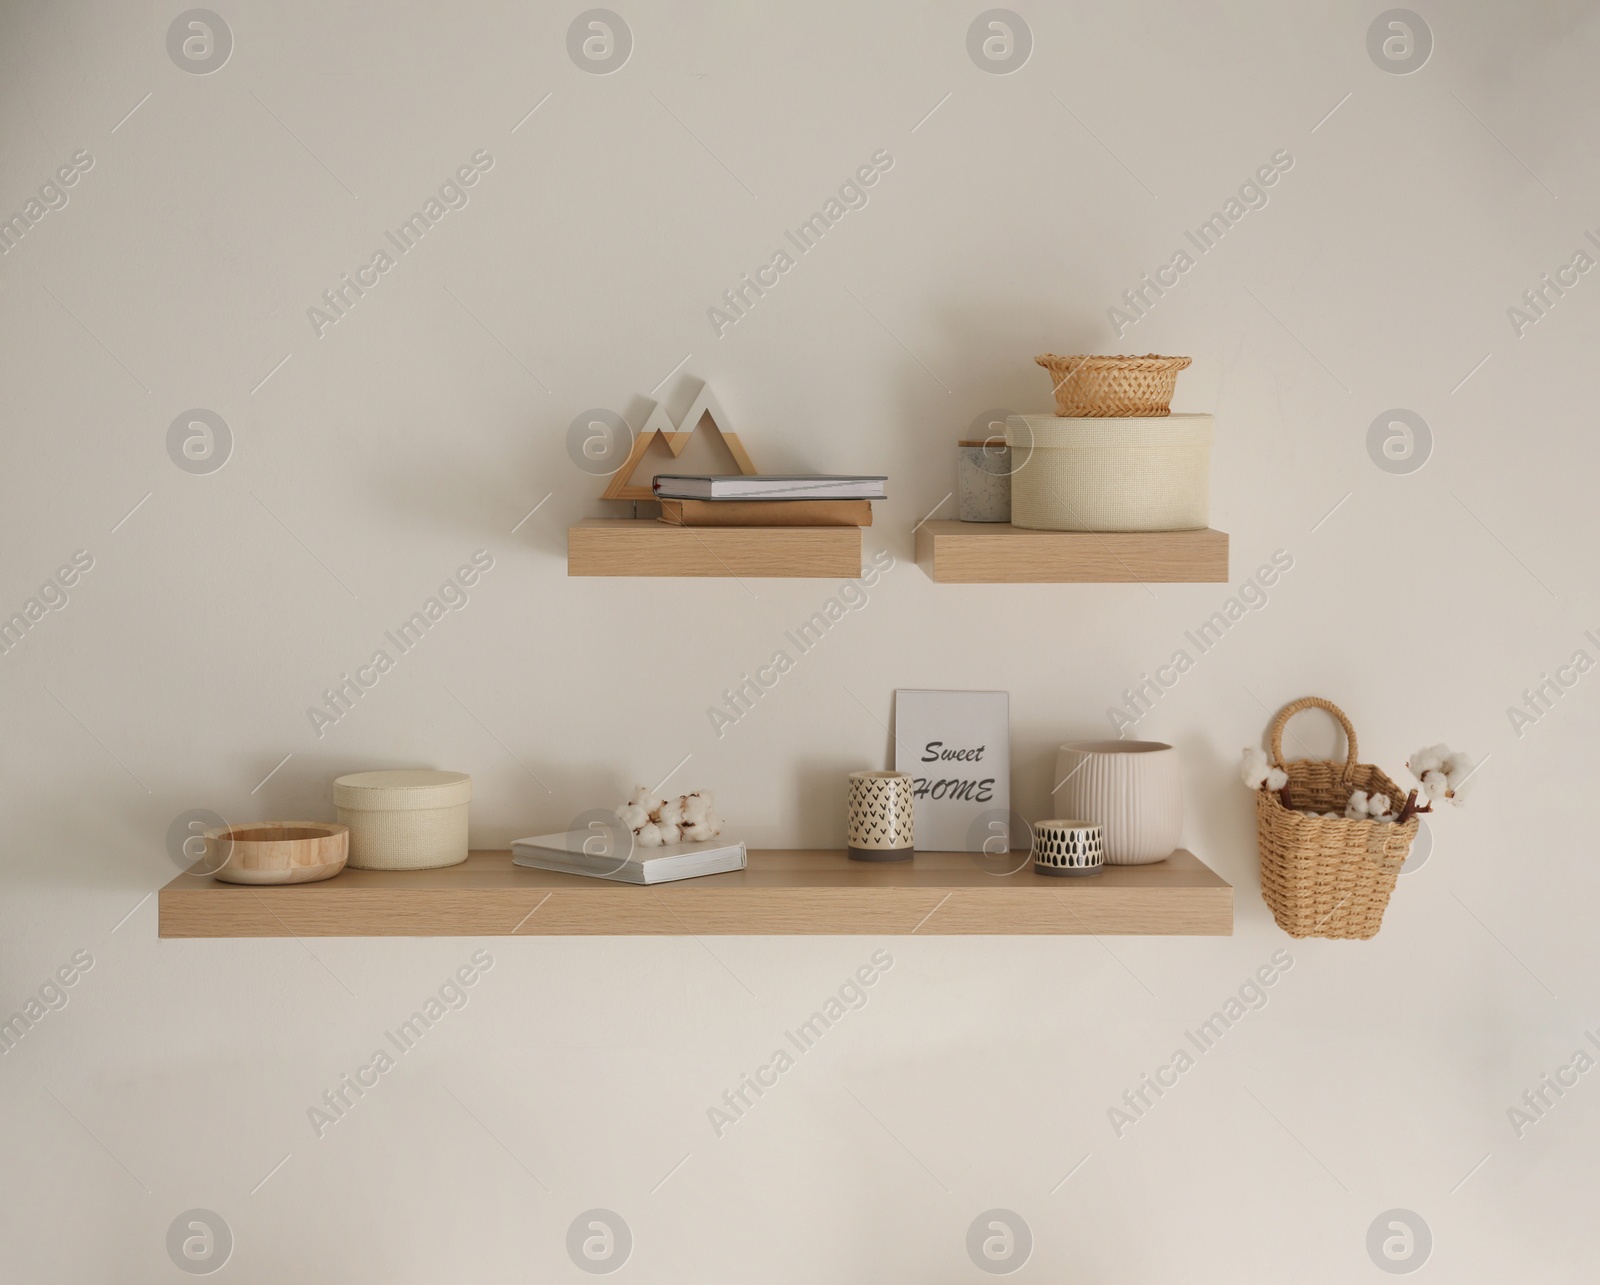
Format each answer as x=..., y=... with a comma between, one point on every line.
x=1068, y=848
x=880, y=821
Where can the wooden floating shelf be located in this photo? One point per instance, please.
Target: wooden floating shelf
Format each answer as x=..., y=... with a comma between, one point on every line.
x=999, y=553
x=643, y=547
x=938, y=893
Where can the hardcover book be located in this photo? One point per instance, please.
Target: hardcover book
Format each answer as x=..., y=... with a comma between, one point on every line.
x=767, y=512
x=768, y=486
x=591, y=853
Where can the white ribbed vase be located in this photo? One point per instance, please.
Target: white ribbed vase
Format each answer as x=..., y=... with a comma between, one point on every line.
x=1131, y=789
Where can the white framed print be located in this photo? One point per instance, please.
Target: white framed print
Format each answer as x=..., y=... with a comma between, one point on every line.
x=956, y=747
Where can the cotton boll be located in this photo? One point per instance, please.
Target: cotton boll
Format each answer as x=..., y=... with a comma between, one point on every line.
x=1377, y=805
x=650, y=836
x=1253, y=769
x=1356, y=808
x=1333, y=816
x=670, y=834
x=1442, y=754
x=1277, y=778
x=671, y=812
x=696, y=806
x=1436, y=785
x=632, y=816
x=640, y=798
x=1457, y=769
x=1425, y=760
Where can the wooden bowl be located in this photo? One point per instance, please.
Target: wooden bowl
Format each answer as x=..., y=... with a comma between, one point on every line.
x=277, y=851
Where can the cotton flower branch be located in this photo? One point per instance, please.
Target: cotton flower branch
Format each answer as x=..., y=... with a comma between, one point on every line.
x=1443, y=774
x=1256, y=771
x=1373, y=807
x=657, y=821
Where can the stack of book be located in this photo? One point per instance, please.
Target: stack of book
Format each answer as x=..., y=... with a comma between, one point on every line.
x=773, y=499
x=582, y=852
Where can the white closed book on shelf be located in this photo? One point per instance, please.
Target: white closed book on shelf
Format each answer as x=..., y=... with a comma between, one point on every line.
x=593, y=853
x=769, y=486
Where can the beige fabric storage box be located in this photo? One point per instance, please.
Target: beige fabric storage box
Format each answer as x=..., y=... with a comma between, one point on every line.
x=404, y=820
x=1128, y=474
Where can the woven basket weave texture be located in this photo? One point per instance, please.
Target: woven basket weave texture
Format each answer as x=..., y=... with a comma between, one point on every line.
x=1113, y=386
x=1323, y=877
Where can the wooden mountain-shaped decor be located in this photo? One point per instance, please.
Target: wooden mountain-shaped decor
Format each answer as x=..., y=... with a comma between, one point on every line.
x=676, y=436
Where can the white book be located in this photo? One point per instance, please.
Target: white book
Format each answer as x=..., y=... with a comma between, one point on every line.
x=768, y=486
x=583, y=852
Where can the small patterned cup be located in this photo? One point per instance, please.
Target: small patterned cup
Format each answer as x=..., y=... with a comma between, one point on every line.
x=1069, y=848
x=880, y=821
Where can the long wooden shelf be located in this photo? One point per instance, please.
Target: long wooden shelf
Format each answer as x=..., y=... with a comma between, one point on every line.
x=939, y=893
x=643, y=547
x=999, y=553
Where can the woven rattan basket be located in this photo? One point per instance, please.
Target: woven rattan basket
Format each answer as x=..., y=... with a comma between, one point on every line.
x=1110, y=386
x=1319, y=876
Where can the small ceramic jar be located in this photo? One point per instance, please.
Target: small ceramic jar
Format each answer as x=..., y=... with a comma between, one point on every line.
x=983, y=481
x=880, y=824
x=1068, y=848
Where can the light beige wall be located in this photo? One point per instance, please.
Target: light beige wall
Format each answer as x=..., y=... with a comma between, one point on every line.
x=432, y=418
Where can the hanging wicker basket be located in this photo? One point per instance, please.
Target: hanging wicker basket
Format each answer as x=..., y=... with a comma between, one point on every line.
x=1323, y=877
x=1101, y=387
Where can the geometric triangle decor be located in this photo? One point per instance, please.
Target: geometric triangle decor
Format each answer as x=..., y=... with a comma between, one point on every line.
x=676, y=437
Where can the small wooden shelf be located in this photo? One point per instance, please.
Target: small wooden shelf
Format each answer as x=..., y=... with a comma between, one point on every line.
x=939, y=893
x=643, y=547
x=998, y=553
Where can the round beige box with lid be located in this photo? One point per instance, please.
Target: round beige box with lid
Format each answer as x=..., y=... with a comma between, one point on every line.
x=404, y=820
x=1107, y=474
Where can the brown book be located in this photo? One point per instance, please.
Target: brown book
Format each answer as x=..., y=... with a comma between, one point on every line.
x=767, y=512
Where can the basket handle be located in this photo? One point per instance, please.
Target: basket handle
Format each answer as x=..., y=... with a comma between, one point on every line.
x=1312, y=702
